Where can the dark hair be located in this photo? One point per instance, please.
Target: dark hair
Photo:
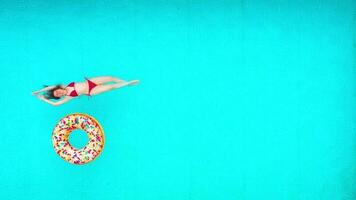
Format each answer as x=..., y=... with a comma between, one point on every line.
x=50, y=93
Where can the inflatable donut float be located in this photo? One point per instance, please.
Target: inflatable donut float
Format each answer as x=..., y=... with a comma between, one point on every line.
x=72, y=122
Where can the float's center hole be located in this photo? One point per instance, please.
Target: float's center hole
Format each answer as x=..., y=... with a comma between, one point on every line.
x=78, y=139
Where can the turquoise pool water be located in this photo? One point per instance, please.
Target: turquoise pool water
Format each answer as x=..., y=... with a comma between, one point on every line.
x=238, y=99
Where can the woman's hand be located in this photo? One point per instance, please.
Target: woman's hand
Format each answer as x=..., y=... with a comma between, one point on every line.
x=43, y=90
x=57, y=103
x=42, y=97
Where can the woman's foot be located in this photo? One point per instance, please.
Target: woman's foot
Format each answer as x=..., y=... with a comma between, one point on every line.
x=134, y=82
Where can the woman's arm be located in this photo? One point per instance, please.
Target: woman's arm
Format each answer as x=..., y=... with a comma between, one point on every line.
x=60, y=102
x=44, y=89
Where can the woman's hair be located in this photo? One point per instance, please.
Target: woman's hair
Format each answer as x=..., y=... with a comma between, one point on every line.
x=50, y=93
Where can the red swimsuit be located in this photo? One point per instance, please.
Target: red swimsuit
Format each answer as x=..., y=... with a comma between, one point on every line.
x=74, y=93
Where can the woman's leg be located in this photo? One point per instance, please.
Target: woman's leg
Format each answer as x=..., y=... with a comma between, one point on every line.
x=100, y=80
x=104, y=88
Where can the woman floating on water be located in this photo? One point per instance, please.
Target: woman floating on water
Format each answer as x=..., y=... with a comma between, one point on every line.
x=90, y=87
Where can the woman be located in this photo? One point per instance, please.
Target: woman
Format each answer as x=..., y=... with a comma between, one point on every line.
x=90, y=87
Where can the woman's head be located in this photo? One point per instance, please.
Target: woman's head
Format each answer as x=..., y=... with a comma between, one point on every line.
x=56, y=93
